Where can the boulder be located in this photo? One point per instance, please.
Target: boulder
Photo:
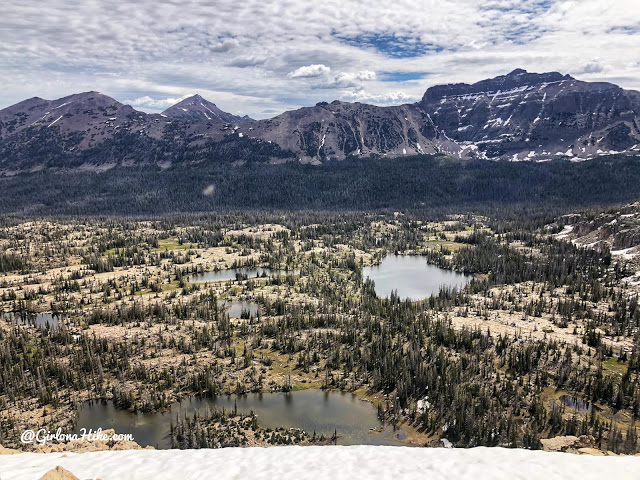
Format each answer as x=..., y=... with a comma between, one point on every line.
x=8, y=451
x=559, y=444
x=584, y=444
x=591, y=451
x=59, y=473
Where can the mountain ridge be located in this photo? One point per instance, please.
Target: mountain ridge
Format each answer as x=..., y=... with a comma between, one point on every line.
x=517, y=116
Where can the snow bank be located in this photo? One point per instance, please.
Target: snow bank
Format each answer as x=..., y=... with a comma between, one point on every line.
x=624, y=253
x=335, y=463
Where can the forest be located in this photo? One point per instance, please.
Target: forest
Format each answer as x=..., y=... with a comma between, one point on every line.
x=425, y=182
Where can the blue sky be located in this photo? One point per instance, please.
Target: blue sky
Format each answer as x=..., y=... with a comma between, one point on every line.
x=261, y=58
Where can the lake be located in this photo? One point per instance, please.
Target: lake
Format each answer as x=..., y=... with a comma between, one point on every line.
x=232, y=274
x=38, y=320
x=412, y=277
x=310, y=410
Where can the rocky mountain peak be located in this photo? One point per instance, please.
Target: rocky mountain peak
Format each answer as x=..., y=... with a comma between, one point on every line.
x=73, y=113
x=518, y=78
x=197, y=108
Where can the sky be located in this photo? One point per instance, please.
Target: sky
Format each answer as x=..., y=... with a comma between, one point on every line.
x=260, y=58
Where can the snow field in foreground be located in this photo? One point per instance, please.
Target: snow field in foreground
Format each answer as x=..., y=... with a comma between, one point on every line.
x=335, y=463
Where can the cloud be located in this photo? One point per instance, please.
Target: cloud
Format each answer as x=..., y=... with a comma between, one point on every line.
x=349, y=78
x=366, y=75
x=225, y=45
x=248, y=61
x=309, y=71
x=154, y=104
x=244, y=56
x=594, y=66
x=383, y=98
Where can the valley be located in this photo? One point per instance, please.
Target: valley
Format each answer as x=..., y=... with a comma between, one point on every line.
x=541, y=320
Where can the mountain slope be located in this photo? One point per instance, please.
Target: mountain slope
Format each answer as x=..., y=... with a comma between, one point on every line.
x=339, y=129
x=90, y=113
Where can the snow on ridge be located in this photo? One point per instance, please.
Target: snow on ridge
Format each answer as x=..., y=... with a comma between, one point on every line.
x=566, y=231
x=60, y=106
x=336, y=463
x=626, y=253
x=489, y=93
x=55, y=121
x=210, y=111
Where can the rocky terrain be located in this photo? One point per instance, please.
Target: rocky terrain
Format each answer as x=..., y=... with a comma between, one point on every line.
x=519, y=116
x=617, y=230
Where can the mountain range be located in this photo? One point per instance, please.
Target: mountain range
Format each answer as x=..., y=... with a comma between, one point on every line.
x=518, y=116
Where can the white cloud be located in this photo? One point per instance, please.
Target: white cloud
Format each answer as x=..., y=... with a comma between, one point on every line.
x=225, y=45
x=382, y=98
x=307, y=71
x=350, y=78
x=594, y=66
x=366, y=75
x=154, y=104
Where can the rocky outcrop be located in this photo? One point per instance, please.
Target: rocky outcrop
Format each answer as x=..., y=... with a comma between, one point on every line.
x=584, y=444
x=8, y=451
x=59, y=473
x=618, y=230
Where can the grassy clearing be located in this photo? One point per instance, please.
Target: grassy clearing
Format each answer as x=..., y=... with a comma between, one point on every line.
x=449, y=244
x=614, y=365
x=172, y=244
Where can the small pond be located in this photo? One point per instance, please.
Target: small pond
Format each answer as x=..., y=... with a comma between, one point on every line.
x=236, y=308
x=412, y=277
x=38, y=320
x=235, y=273
x=310, y=410
x=577, y=404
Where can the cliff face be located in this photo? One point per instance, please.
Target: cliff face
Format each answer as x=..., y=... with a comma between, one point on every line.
x=527, y=115
x=618, y=230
